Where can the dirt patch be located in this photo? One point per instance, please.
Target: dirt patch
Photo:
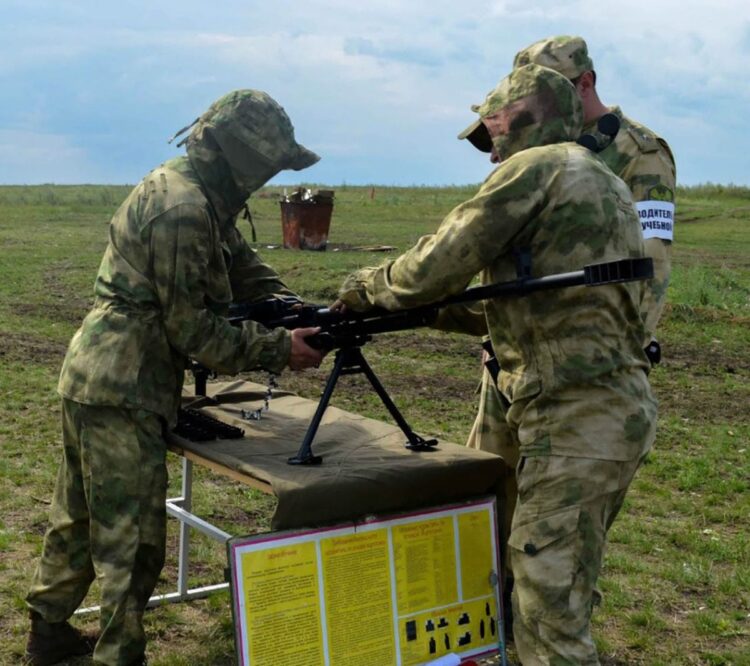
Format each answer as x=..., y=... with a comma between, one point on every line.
x=433, y=387
x=713, y=361
x=614, y=661
x=71, y=312
x=425, y=341
x=704, y=315
x=427, y=384
x=60, y=305
x=699, y=384
x=29, y=348
x=248, y=521
x=691, y=213
x=334, y=247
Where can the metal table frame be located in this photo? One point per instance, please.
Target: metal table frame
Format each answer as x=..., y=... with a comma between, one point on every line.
x=180, y=508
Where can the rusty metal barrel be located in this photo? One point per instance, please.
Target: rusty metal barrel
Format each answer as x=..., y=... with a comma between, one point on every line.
x=306, y=219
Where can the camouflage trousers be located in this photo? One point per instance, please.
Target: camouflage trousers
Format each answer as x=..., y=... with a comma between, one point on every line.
x=565, y=508
x=107, y=521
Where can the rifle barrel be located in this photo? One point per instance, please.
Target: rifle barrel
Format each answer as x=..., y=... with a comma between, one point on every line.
x=593, y=275
x=355, y=328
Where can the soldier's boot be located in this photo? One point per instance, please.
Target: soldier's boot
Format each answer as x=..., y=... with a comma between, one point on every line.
x=52, y=642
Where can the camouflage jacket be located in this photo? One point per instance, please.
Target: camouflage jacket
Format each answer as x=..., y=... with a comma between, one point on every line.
x=168, y=272
x=573, y=358
x=646, y=164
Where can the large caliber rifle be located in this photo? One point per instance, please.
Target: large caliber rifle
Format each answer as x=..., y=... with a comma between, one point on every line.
x=347, y=332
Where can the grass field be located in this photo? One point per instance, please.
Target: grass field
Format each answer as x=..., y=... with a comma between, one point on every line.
x=676, y=581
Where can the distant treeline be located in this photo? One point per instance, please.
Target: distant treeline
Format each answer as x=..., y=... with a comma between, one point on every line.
x=110, y=196
x=709, y=190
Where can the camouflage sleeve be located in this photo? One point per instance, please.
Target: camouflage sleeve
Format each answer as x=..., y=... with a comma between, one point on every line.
x=185, y=273
x=470, y=238
x=651, y=179
x=652, y=174
x=251, y=279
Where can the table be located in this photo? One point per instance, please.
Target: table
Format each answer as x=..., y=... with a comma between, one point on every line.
x=366, y=469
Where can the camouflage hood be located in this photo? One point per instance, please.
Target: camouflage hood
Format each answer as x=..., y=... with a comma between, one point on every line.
x=532, y=106
x=242, y=141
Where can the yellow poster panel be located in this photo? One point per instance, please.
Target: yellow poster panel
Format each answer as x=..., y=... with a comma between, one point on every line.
x=425, y=562
x=283, y=622
x=477, y=562
x=396, y=591
x=458, y=628
x=359, y=613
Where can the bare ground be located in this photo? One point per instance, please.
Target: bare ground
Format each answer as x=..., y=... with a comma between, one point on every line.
x=28, y=348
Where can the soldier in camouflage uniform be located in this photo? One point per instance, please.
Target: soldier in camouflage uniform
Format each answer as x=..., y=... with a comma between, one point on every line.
x=645, y=162
x=575, y=372
x=640, y=157
x=174, y=262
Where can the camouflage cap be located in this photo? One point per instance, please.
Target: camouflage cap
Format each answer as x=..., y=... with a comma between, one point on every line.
x=565, y=54
x=532, y=106
x=247, y=124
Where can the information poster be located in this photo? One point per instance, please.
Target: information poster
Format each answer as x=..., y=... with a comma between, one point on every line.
x=401, y=590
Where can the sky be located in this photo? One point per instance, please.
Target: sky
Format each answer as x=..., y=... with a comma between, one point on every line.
x=92, y=90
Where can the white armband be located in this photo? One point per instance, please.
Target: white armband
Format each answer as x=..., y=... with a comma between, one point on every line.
x=657, y=219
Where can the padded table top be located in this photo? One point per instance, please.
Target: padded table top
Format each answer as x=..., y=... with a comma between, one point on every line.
x=366, y=469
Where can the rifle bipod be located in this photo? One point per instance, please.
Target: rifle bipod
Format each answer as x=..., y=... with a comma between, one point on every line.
x=350, y=361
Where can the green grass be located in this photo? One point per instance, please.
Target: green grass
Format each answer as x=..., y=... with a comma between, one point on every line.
x=676, y=580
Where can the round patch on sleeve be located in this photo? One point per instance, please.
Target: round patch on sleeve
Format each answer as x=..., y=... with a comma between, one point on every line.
x=661, y=193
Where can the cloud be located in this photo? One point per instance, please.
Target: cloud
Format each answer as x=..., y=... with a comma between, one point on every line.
x=398, y=53
x=31, y=157
x=371, y=86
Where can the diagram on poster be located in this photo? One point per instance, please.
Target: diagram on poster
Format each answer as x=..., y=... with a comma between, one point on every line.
x=402, y=590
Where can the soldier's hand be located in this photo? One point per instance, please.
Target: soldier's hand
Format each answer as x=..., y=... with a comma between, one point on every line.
x=353, y=291
x=303, y=355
